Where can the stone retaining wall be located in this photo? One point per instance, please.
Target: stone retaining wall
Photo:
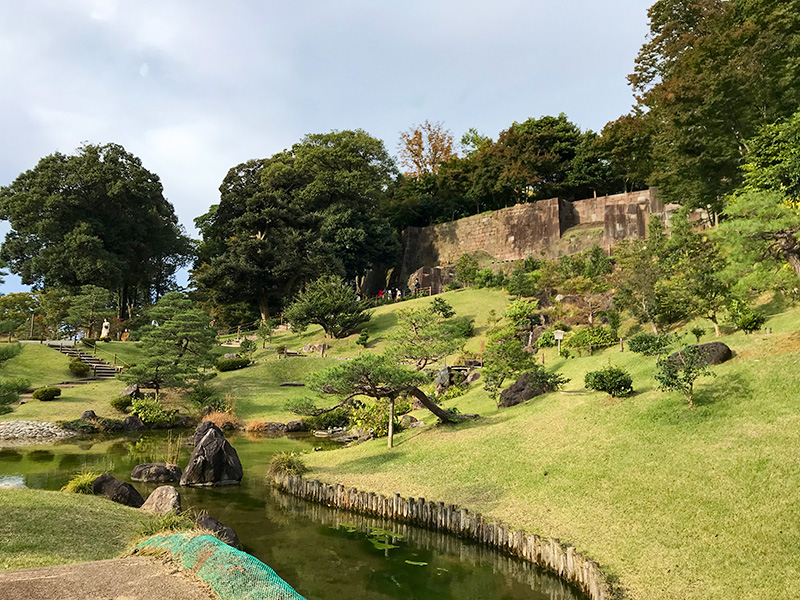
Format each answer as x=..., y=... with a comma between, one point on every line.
x=549, y=553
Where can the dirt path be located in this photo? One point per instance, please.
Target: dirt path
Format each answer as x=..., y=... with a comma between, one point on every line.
x=133, y=578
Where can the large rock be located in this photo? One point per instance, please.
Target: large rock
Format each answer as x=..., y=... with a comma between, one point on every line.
x=224, y=533
x=163, y=500
x=712, y=353
x=213, y=461
x=522, y=389
x=88, y=415
x=295, y=426
x=118, y=491
x=472, y=378
x=442, y=382
x=156, y=473
x=133, y=423
x=132, y=390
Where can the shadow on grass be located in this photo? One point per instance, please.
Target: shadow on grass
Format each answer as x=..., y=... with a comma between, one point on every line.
x=367, y=464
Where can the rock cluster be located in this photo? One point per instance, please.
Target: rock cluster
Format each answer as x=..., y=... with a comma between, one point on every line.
x=213, y=461
x=18, y=433
x=156, y=473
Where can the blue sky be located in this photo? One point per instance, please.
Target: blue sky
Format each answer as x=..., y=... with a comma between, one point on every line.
x=194, y=87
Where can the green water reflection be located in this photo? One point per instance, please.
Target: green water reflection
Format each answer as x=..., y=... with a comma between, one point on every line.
x=325, y=554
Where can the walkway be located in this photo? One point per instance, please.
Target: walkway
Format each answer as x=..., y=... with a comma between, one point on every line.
x=132, y=578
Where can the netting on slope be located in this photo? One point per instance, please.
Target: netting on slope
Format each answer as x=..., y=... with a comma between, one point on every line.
x=231, y=573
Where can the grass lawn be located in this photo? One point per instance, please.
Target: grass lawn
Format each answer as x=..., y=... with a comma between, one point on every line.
x=38, y=364
x=72, y=402
x=678, y=503
x=41, y=528
x=127, y=353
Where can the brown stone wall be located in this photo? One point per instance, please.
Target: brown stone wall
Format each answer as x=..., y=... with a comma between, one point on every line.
x=553, y=227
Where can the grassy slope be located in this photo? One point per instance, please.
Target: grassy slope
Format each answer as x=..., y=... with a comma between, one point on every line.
x=40, y=528
x=71, y=403
x=678, y=503
x=38, y=364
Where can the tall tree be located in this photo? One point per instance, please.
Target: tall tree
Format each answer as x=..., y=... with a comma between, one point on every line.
x=423, y=148
x=330, y=303
x=305, y=212
x=97, y=217
x=711, y=74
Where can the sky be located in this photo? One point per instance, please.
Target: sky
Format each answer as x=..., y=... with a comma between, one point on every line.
x=195, y=87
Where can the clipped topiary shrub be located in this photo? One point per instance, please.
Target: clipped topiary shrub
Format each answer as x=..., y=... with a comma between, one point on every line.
x=650, y=344
x=615, y=381
x=78, y=368
x=121, y=403
x=231, y=364
x=599, y=337
x=46, y=394
x=286, y=463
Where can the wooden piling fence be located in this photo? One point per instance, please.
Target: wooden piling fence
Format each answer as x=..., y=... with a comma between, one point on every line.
x=548, y=553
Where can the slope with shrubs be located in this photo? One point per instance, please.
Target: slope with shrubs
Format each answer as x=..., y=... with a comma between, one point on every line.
x=673, y=501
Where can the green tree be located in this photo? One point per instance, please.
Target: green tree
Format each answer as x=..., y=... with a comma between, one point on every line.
x=87, y=309
x=377, y=377
x=330, y=303
x=504, y=357
x=679, y=371
x=627, y=145
x=17, y=309
x=424, y=335
x=176, y=345
x=283, y=221
x=98, y=217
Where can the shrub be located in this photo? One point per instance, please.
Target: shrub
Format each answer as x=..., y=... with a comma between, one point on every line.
x=750, y=321
x=547, y=339
x=697, y=332
x=46, y=394
x=106, y=425
x=286, y=463
x=650, y=344
x=548, y=381
x=599, y=337
x=78, y=368
x=81, y=483
x=150, y=410
x=89, y=342
x=363, y=338
x=231, y=364
x=338, y=417
x=452, y=286
x=204, y=395
x=9, y=392
x=5, y=409
x=78, y=426
x=615, y=381
x=375, y=416
x=121, y=403
x=248, y=347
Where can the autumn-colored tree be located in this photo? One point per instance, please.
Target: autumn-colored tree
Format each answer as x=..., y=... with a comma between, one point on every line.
x=423, y=148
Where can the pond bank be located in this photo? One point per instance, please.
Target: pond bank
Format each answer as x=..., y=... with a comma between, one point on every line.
x=550, y=553
x=23, y=433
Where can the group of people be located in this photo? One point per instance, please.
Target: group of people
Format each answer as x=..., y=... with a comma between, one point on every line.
x=392, y=294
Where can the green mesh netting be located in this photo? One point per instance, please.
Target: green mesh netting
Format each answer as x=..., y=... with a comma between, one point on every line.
x=231, y=573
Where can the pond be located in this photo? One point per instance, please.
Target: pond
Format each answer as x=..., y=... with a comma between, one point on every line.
x=324, y=553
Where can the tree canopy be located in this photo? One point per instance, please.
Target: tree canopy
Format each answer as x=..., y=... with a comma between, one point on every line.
x=330, y=303
x=97, y=217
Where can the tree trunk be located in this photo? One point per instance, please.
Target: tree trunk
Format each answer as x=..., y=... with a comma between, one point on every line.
x=444, y=415
x=263, y=308
x=390, y=441
x=717, y=332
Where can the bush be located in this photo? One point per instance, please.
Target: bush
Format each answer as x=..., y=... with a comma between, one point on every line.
x=121, y=403
x=697, y=331
x=599, y=337
x=89, y=342
x=204, y=395
x=650, y=344
x=750, y=322
x=548, y=381
x=78, y=426
x=150, y=411
x=375, y=416
x=338, y=417
x=286, y=463
x=9, y=392
x=615, y=381
x=5, y=409
x=78, y=368
x=547, y=339
x=81, y=483
x=452, y=286
x=231, y=364
x=106, y=425
x=46, y=394
x=363, y=338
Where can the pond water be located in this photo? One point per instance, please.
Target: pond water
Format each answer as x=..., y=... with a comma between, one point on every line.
x=325, y=554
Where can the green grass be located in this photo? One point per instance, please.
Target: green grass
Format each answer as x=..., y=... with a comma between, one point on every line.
x=679, y=503
x=126, y=352
x=41, y=528
x=72, y=402
x=38, y=364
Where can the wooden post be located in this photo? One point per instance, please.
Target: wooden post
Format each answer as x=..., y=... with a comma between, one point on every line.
x=621, y=345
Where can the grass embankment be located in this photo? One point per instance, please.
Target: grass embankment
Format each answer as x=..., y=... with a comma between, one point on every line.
x=40, y=529
x=679, y=503
x=37, y=364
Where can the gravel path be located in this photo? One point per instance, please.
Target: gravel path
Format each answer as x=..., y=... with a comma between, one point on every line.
x=133, y=578
x=21, y=433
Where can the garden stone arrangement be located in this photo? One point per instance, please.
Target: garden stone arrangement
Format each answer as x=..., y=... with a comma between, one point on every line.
x=19, y=433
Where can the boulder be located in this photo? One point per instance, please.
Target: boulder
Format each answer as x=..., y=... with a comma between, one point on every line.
x=442, y=382
x=133, y=423
x=132, y=390
x=295, y=426
x=163, y=500
x=315, y=348
x=410, y=422
x=472, y=378
x=117, y=491
x=521, y=390
x=232, y=355
x=213, y=461
x=156, y=473
x=713, y=353
x=224, y=533
x=88, y=415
